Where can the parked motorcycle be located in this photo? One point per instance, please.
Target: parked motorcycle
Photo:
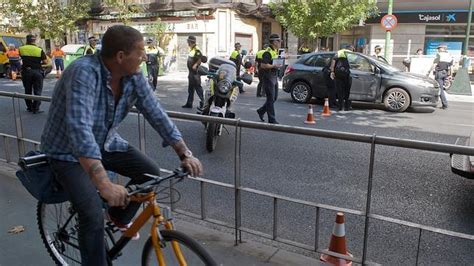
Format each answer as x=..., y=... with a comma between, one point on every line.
x=222, y=93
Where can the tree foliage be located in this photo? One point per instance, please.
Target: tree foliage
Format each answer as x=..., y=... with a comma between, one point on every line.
x=124, y=10
x=52, y=18
x=321, y=18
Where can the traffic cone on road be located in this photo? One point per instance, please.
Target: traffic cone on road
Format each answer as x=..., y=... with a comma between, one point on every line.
x=337, y=243
x=326, y=111
x=310, y=116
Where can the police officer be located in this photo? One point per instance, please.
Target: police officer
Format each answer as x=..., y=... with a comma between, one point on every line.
x=378, y=53
x=90, y=48
x=31, y=71
x=194, y=79
x=340, y=73
x=442, y=68
x=236, y=57
x=258, y=60
x=152, y=63
x=269, y=77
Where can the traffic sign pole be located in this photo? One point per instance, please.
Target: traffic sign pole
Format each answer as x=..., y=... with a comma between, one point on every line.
x=388, y=34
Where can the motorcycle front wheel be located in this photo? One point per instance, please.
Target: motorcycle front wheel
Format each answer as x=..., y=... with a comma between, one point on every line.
x=211, y=136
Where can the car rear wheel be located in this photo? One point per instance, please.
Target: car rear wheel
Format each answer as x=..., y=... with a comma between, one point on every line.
x=396, y=100
x=301, y=92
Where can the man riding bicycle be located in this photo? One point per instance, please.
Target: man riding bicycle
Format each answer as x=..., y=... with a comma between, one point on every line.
x=80, y=137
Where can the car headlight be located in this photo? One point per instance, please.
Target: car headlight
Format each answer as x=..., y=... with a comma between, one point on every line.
x=224, y=86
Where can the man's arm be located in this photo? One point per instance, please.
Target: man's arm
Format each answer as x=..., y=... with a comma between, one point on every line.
x=266, y=62
x=188, y=161
x=331, y=68
x=44, y=58
x=115, y=195
x=198, y=62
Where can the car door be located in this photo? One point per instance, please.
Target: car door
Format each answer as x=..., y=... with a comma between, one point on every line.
x=316, y=65
x=365, y=80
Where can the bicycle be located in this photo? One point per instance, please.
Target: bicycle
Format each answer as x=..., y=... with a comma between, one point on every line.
x=58, y=226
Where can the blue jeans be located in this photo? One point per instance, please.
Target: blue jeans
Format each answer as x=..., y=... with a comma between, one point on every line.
x=59, y=63
x=441, y=77
x=89, y=206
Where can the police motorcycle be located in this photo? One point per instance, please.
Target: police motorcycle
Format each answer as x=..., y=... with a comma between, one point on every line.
x=222, y=92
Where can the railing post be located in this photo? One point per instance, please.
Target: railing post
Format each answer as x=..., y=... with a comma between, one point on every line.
x=275, y=218
x=418, y=248
x=369, y=198
x=316, y=230
x=237, y=193
x=141, y=132
x=18, y=126
x=7, y=149
x=203, y=200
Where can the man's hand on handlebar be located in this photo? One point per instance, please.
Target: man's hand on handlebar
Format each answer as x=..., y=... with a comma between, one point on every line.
x=115, y=195
x=192, y=165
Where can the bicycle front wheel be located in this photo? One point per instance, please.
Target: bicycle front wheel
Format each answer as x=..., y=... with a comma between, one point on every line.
x=58, y=227
x=193, y=252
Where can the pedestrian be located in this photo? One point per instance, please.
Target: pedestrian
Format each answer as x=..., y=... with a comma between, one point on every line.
x=258, y=60
x=341, y=74
x=153, y=55
x=269, y=76
x=90, y=48
x=58, y=56
x=304, y=49
x=236, y=57
x=378, y=53
x=31, y=71
x=14, y=59
x=194, y=79
x=442, y=70
x=81, y=140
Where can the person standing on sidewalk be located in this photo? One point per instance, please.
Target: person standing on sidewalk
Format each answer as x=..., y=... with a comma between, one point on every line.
x=269, y=76
x=442, y=70
x=58, y=56
x=341, y=74
x=152, y=63
x=236, y=57
x=90, y=48
x=80, y=137
x=32, y=72
x=14, y=59
x=194, y=79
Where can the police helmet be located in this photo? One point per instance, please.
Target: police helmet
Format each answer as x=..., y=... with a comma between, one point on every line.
x=274, y=37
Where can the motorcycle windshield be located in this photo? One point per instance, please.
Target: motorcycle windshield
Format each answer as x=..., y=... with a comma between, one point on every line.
x=227, y=72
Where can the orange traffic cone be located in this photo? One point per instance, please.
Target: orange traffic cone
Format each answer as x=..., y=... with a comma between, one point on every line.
x=337, y=243
x=310, y=117
x=326, y=111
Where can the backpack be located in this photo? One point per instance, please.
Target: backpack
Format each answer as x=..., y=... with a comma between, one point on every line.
x=342, y=68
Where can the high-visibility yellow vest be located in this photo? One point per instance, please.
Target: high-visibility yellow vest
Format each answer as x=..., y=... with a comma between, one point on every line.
x=87, y=48
x=234, y=54
x=259, y=54
x=30, y=50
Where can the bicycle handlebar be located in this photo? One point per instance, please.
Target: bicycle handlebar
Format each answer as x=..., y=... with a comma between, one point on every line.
x=178, y=173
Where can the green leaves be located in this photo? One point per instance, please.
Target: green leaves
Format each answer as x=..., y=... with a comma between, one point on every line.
x=52, y=18
x=320, y=18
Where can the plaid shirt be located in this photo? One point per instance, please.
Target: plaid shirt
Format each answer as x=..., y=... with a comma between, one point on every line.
x=83, y=118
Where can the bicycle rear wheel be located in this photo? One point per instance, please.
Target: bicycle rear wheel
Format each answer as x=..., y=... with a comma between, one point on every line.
x=58, y=227
x=192, y=251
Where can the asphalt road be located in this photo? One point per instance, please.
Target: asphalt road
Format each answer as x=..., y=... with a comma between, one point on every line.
x=411, y=185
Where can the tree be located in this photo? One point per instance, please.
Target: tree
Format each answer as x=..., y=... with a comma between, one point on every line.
x=158, y=30
x=52, y=18
x=124, y=10
x=321, y=18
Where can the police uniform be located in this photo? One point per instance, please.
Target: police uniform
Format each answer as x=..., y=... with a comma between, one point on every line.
x=194, y=79
x=89, y=49
x=269, y=79
x=152, y=65
x=32, y=73
x=443, y=62
x=236, y=57
x=258, y=60
x=342, y=82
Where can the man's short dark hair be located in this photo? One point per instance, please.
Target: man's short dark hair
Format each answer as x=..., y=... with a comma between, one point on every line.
x=119, y=38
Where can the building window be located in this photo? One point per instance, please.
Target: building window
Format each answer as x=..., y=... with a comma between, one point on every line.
x=447, y=30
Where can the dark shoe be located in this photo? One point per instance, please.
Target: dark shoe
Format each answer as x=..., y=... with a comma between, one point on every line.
x=273, y=122
x=187, y=106
x=259, y=95
x=29, y=110
x=260, y=115
x=444, y=107
x=38, y=111
x=242, y=91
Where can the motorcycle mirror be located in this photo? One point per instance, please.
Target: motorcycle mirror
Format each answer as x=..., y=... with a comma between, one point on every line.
x=202, y=70
x=247, y=78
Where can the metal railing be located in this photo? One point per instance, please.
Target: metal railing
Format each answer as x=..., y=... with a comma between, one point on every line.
x=238, y=124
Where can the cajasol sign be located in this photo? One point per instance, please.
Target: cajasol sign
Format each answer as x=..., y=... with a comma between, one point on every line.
x=426, y=17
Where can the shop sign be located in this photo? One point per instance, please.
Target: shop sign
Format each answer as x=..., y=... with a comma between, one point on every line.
x=427, y=17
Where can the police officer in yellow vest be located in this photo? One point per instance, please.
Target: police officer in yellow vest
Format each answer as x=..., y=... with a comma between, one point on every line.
x=32, y=73
x=90, y=48
x=152, y=62
x=194, y=79
x=269, y=76
x=236, y=57
x=442, y=70
x=341, y=74
x=258, y=60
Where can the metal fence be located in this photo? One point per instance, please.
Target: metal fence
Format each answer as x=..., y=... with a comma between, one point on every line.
x=238, y=124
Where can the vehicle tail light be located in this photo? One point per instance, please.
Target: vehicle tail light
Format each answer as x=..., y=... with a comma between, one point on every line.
x=289, y=69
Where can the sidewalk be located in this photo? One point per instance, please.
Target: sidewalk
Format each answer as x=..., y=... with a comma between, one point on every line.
x=26, y=248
